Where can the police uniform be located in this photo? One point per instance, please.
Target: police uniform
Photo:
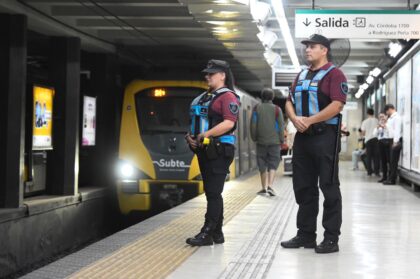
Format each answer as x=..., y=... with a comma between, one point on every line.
x=315, y=155
x=207, y=111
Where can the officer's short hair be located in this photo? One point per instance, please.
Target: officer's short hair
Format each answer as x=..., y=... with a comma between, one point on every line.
x=370, y=111
x=267, y=94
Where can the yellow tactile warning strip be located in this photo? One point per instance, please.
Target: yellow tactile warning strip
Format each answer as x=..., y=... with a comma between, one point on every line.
x=160, y=252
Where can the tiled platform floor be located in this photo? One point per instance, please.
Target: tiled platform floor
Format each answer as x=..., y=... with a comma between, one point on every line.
x=380, y=237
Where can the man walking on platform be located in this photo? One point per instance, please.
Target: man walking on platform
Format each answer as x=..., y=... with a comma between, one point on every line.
x=267, y=129
x=317, y=97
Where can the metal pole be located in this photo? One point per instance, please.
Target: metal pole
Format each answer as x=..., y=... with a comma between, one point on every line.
x=313, y=4
x=408, y=5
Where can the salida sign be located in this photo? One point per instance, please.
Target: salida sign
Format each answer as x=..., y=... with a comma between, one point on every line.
x=330, y=22
x=377, y=24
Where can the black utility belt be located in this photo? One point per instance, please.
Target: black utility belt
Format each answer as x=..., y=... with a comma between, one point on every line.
x=320, y=128
x=216, y=149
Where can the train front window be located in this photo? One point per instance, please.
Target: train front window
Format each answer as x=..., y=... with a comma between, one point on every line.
x=165, y=110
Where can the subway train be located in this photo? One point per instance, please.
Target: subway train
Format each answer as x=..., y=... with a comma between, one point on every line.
x=156, y=169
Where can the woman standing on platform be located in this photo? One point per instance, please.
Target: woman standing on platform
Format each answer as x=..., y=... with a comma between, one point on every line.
x=213, y=120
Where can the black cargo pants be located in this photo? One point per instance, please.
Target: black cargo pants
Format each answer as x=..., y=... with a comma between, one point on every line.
x=214, y=173
x=313, y=159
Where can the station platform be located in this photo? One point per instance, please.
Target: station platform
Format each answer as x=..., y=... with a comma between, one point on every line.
x=380, y=238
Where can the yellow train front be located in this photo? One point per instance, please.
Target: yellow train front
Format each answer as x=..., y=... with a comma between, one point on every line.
x=156, y=169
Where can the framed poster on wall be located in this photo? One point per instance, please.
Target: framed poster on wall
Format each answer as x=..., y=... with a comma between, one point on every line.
x=42, y=117
x=404, y=110
x=89, y=121
x=415, y=121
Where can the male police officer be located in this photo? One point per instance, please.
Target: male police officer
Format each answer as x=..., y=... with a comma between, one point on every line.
x=213, y=115
x=317, y=97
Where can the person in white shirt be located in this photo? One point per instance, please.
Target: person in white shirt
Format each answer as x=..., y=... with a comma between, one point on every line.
x=371, y=142
x=384, y=143
x=394, y=125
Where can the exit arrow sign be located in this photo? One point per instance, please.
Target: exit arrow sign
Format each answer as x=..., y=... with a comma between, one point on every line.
x=363, y=24
x=307, y=23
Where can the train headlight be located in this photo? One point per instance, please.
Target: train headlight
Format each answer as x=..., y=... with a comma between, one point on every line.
x=126, y=170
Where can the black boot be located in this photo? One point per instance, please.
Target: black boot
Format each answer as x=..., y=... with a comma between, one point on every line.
x=218, y=236
x=327, y=246
x=204, y=238
x=297, y=242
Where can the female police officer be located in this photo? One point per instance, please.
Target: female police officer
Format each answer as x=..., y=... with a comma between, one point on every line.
x=213, y=119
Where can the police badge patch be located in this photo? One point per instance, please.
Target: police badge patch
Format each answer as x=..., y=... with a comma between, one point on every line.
x=344, y=88
x=234, y=108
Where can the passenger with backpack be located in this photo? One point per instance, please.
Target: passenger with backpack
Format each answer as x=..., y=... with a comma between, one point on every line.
x=267, y=130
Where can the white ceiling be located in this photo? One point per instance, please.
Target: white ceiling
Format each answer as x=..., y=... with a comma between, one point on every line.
x=182, y=35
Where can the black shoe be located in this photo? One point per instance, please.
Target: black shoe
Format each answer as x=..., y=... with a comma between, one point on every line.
x=297, y=242
x=271, y=192
x=262, y=192
x=201, y=239
x=327, y=246
x=204, y=237
x=388, y=182
x=381, y=180
x=218, y=237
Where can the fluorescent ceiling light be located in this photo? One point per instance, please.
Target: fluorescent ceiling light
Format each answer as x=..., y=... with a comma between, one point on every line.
x=285, y=30
x=221, y=31
x=221, y=1
x=209, y=11
x=260, y=12
x=228, y=12
x=230, y=45
x=267, y=38
x=365, y=86
x=394, y=49
x=375, y=72
x=370, y=79
x=217, y=22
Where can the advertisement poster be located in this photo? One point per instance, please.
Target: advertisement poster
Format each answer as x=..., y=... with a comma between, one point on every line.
x=415, y=153
x=89, y=121
x=403, y=108
x=42, y=117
